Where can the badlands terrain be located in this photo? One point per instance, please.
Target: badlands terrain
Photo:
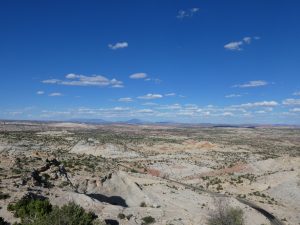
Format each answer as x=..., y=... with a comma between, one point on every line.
x=153, y=174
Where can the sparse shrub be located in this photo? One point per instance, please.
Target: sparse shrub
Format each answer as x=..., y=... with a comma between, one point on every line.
x=148, y=220
x=3, y=222
x=4, y=196
x=30, y=207
x=128, y=217
x=224, y=215
x=133, y=171
x=38, y=211
x=121, y=216
x=143, y=204
x=70, y=214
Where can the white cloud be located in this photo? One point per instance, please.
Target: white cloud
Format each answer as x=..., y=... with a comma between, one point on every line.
x=40, y=92
x=237, y=45
x=117, y=86
x=151, y=96
x=155, y=80
x=116, y=83
x=125, y=99
x=72, y=76
x=138, y=76
x=297, y=93
x=253, y=83
x=187, y=13
x=295, y=110
x=82, y=80
x=51, y=81
x=247, y=40
x=234, y=46
x=227, y=114
x=145, y=111
x=170, y=94
x=233, y=96
x=291, y=101
x=260, y=111
x=260, y=104
x=120, y=108
x=55, y=94
x=149, y=104
x=15, y=113
x=118, y=45
x=170, y=107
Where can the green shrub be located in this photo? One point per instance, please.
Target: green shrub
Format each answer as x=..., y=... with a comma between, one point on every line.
x=29, y=208
x=226, y=216
x=121, y=216
x=148, y=220
x=70, y=214
x=37, y=211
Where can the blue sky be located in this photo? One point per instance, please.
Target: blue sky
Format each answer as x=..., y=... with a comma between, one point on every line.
x=173, y=60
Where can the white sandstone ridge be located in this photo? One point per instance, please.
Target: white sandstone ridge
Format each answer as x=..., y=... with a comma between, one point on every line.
x=107, y=150
x=117, y=189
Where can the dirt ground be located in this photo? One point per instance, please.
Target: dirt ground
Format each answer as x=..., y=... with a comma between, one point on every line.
x=130, y=169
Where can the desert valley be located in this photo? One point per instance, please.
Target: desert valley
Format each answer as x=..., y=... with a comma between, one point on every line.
x=151, y=173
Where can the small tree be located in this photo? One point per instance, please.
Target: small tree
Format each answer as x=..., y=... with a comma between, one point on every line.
x=33, y=210
x=224, y=215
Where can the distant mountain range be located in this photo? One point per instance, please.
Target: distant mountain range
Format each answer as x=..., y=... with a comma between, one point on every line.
x=140, y=122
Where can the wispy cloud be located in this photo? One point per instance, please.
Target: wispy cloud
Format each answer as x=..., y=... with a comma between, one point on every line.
x=40, y=92
x=150, y=96
x=55, y=94
x=118, y=45
x=233, y=96
x=145, y=111
x=259, y=104
x=170, y=107
x=297, y=93
x=247, y=40
x=253, y=83
x=295, y=110
x=82, y=80
x=227, y=114
x=187, y=13
x=234, y=46
x=150, y=104
x=155, y=80
x=237, y=45
x=291, y=101
x=51, y=81
x=138, y=76
x=116, y=83
x=127, y=99
x=170, y=94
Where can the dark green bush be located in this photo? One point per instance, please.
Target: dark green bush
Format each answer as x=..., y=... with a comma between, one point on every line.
x=29, y=208
x=2, y=221
x=148, y=220
x=70, y=214
x=33, y=211
x=121, y=216
x=4, y=195
x=143, y=204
